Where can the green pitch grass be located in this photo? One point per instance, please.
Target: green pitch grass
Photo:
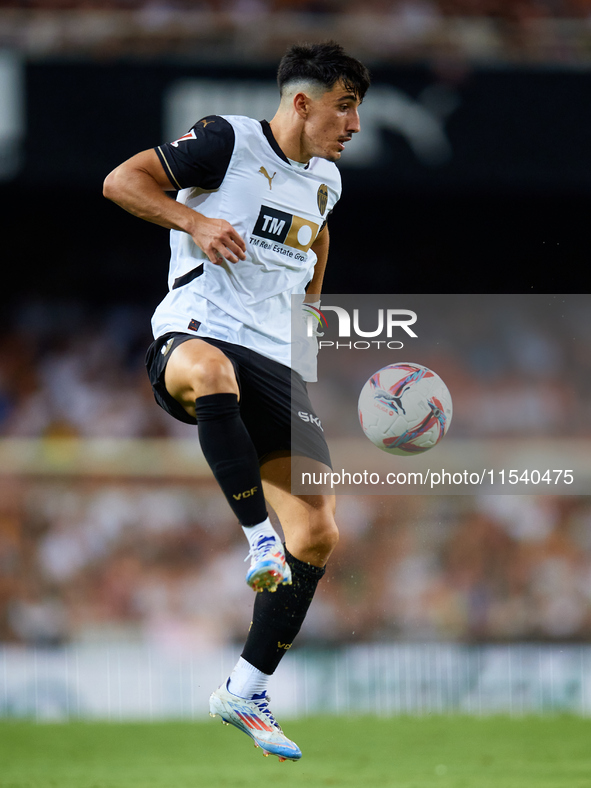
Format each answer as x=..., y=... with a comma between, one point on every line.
x=403, y=752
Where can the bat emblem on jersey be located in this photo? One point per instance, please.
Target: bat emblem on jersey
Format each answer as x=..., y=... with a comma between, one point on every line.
x=322, y=198
x=268, y=177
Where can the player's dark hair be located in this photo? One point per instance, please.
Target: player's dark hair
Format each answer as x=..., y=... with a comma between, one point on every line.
x=325, y=63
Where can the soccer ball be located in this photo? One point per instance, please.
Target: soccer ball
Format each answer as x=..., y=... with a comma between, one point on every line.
x=405, y=409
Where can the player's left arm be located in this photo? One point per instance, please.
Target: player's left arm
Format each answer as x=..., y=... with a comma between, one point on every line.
x=320, y=247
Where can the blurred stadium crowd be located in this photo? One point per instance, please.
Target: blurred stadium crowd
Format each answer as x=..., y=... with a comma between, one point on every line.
x=482, y=30
x=140, y=562
x=88, y=559
x=70, y=370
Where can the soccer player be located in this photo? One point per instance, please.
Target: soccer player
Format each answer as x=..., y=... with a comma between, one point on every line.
x=248, y=231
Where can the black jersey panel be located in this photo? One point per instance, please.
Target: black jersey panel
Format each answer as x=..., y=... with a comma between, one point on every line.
x=200, y=157
x=267, y=131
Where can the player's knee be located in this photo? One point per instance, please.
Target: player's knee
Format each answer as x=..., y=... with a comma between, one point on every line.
x=213, y=375
x=324, y=534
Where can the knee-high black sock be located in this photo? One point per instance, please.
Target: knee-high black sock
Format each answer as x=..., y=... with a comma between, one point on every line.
x=231, y=455
x=278, y=617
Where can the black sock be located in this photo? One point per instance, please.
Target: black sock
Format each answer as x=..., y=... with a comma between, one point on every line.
x=278, y=617
x=231, y=455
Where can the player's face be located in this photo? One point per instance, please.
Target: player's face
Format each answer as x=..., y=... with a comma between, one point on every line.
x=333, y=119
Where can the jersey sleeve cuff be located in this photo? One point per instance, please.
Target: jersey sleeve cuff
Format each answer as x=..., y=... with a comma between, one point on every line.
x=167, y=168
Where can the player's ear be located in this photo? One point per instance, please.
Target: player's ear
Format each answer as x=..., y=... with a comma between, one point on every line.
x=301, y=104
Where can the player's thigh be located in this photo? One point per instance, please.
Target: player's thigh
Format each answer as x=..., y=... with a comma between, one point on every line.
x=195, y=369
x=308, y=521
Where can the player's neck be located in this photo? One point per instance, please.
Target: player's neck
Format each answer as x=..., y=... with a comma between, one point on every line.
x=289, y=138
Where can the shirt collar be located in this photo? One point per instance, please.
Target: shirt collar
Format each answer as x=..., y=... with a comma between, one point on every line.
x=267, y=131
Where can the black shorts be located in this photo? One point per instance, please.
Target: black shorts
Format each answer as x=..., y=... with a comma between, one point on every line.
x=274, y=402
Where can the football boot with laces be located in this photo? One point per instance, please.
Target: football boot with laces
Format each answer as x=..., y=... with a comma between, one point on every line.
x=268, y=567
x=254, y=718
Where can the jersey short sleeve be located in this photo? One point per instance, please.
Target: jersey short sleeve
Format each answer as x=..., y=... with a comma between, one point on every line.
x=200, y=157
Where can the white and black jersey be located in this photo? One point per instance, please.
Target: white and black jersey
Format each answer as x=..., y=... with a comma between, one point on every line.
x=230, y=167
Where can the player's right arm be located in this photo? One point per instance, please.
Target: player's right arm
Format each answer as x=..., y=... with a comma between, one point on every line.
x=140, y=186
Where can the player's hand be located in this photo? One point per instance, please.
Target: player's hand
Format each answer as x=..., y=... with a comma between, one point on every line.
x=219, y=240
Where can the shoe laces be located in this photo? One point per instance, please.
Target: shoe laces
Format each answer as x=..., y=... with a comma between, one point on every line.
x=264, y=544
x=262, y=704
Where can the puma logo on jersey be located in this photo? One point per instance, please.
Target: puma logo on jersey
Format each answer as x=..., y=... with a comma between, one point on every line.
x=206, y=122
x=268, y=177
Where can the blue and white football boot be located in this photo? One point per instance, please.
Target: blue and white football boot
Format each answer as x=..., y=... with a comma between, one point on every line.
x=268, y=567
x=254, y=718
